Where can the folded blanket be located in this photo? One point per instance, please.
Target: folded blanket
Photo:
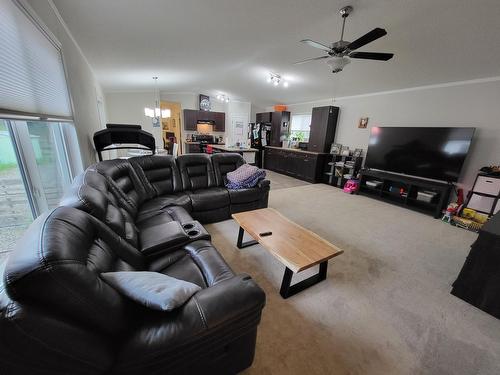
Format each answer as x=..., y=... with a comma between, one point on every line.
x=246, y=176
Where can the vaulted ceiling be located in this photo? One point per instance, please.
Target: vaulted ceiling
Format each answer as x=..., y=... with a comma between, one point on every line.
x=228, y=46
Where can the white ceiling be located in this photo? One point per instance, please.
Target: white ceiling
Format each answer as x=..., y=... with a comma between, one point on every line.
x=228, y=46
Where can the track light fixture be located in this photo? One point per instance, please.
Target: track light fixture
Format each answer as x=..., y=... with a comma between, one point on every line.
x=223, y=98
x=275, y=79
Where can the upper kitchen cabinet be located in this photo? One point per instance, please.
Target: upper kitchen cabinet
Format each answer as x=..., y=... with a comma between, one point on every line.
x=263, y=117
x=280, y=122
x=323, y=126
x=193, y=116
x=190, y=119
x=220, y=122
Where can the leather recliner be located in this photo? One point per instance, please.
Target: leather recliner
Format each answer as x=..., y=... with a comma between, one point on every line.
x=58, y=317
x=210, y=202
x=241, y=199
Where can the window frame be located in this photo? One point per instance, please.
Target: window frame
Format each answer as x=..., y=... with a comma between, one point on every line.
x=308, y=132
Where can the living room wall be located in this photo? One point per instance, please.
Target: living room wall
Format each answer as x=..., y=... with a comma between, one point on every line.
x=470, y=103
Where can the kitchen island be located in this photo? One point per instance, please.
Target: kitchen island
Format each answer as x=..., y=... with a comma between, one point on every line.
x=247, y=153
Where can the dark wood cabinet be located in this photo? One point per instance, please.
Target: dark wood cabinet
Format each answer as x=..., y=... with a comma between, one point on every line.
x=192, y=116
x=280, y=122
x=323, y=126
x=190, y=119
x=306, y=166
x=263, y=117
x=220, y=122
x=206, y=116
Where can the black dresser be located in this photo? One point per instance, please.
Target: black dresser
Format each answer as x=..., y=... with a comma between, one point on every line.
x=479, y=280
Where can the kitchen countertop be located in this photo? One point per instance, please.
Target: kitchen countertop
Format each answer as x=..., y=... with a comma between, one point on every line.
x=197, y=143
x=297, y=150
x=234, y=149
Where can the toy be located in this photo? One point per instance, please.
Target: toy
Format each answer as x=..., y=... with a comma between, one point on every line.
x=351, y=186
x=466, y=223
x=451, y=210
x=468, y=213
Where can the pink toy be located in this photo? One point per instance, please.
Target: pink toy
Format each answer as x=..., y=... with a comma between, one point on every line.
x=351, y=186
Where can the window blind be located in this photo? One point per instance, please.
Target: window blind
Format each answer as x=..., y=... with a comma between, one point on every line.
x=32, y=79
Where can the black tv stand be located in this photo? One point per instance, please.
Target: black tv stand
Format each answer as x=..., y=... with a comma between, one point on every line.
x=404, y=191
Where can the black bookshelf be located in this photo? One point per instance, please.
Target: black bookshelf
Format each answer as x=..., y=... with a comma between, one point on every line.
x=403, y=191
x=334, y=173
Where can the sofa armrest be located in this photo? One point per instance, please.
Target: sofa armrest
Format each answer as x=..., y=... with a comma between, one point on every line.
x=229, y=299
x=217, y=314
x=264, y=184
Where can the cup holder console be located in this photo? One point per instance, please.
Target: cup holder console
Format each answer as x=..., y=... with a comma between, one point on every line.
x=195, y=231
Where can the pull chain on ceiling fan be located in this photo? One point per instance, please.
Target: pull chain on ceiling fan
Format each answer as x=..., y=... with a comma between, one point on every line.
x=340, y=52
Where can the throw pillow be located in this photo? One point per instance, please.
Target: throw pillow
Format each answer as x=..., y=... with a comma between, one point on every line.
x=151, y=289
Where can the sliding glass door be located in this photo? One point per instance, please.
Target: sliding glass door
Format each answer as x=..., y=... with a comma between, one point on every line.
x=15, y=210
x=35, y=172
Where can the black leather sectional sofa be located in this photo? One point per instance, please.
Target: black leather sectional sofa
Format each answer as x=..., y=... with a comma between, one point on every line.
x=57, y=316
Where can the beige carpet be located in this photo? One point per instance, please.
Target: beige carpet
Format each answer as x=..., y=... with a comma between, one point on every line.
x=385, y=307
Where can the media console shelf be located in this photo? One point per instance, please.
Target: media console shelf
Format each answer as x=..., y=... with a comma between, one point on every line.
x=409, y=192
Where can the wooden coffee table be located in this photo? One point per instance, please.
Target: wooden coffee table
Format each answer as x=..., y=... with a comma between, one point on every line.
x=294, y=246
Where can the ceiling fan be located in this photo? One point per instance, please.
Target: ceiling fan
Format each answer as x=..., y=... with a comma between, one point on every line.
x=339, y=53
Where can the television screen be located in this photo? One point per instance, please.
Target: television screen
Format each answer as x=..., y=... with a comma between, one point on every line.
x=436, y=153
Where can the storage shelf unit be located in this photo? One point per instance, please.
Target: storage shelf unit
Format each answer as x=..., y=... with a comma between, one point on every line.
x=484, y=196
x=334, y=175
x=403, y=191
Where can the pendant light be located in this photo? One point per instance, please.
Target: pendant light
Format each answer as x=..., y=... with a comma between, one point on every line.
x=156, y=112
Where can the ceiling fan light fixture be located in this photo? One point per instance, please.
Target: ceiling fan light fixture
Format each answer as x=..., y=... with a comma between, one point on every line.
x=337, y=64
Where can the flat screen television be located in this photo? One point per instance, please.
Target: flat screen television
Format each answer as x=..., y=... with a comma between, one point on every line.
x=435, y=153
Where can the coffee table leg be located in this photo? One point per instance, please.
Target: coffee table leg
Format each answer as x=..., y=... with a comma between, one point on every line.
x=288, y=290
x=240, y=244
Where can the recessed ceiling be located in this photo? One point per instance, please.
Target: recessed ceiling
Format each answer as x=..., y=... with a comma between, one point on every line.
x=229, y=46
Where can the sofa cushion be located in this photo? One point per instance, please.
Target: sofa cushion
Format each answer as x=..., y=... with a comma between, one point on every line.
x=159, y=174
x=155, y=205
x=224, y=163
x=152, y=289
x=245, y=195
x=89, y=192
x=162, y=237
x=196, y=171
x=124, y=182
x=209, y=199
x=173, y=213
x=198, y=262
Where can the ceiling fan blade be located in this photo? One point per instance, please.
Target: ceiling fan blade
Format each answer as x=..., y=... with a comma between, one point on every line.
x=371, y=55
x=314, y=44
x=367, y=38
x=309, y=60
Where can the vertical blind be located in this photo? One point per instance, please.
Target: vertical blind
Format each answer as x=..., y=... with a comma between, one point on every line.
x=32, y=76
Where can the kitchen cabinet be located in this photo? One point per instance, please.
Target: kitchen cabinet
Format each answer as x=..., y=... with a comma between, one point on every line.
x=306, y=166
x=263, y=117
x=190, y=119
x=280, y=122
x=323, y=126
x=220, y=122
x=192, y=116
